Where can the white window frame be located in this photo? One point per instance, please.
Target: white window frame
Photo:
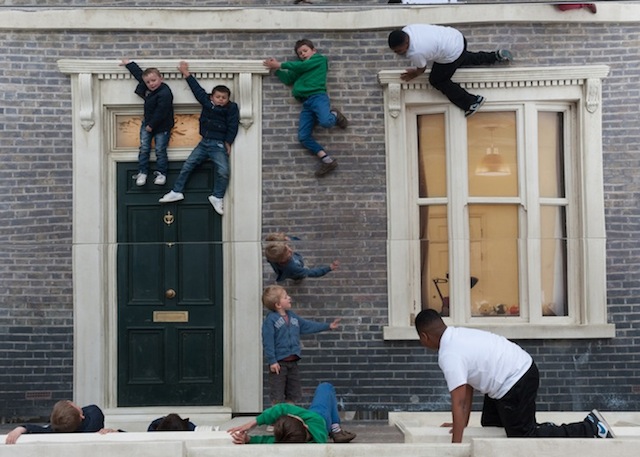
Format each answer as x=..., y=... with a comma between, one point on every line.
x=576, y=89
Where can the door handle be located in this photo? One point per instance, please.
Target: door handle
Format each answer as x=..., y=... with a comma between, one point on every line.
x=170, y=293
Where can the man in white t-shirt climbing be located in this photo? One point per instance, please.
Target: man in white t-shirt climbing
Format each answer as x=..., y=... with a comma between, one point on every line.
x=501, y=370
x=446, y=49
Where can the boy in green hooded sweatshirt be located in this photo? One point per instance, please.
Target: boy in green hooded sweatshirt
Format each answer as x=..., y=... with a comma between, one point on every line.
x=294, y=424
x=308, y=78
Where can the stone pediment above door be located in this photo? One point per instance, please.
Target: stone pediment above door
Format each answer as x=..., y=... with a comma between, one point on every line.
x=238, y=75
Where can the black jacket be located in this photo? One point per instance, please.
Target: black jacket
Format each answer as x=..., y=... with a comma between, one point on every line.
x=216, y=122
x=158, y=105
x=93, y=421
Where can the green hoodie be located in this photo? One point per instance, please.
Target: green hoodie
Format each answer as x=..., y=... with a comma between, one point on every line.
x=315, y=422
x=308, y=77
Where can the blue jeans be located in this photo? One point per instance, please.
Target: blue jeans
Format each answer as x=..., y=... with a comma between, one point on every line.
x=315, y=110
x=161, y=140
x=215, y=151
x=325, y=403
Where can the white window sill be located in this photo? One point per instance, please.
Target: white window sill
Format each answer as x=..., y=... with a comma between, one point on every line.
x=521, y=331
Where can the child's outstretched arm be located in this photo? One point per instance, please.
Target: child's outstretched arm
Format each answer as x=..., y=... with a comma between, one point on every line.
x=239, y=433
x=271, y=64
x=183, y=67
x=13, y=435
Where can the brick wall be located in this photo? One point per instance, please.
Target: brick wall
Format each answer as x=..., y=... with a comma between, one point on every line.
x=341, y=216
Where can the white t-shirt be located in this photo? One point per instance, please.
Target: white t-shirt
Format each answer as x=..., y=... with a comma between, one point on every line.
x=490, y=363
x=433, y=43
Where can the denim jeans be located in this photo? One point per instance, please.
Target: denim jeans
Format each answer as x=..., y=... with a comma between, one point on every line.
x=161, y=140
x=315, y=110
x=325, y=403
x=215, y=151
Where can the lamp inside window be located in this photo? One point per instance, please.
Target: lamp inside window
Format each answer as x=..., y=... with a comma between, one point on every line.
x=492, y=163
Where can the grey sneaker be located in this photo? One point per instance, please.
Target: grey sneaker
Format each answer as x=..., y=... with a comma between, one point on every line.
x=172, y=197
x=217, y=204
x=602, y=428
x=325, y=168
x=341, y=121
x=504, y=55
x=141, y=179
x=473, y=109
x=160, y=179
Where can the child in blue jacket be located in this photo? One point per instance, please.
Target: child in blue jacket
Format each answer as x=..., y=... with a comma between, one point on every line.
x=219, y=120
x=288, y=264
x=66, y=417
x=281, y=332
x=157, y=122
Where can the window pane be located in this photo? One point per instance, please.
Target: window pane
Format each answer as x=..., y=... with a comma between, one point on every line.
x=553, y=247
x=185, y=133
x=551, y=154
x=431, y=158
x=491, y=150
x=434, y=258
x=493, y=239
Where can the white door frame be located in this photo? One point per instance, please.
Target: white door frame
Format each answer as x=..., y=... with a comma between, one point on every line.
x=96, y=87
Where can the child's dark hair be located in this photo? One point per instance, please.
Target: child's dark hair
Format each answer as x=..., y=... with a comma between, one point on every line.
x=289, y=429
x=303, y=42
x=397, y=38
x=173, y=423
x=426, y=318
x=65, y=417
x=223, y=89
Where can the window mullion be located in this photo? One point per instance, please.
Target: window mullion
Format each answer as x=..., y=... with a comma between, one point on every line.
x=458, y=191
x=532, y=280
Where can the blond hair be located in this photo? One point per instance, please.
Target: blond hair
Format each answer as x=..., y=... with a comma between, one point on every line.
x=65, y=417
x=271, y=296
x=277, y=248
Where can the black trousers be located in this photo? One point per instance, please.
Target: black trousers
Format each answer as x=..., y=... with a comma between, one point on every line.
x=441, y=74
x=516, y=412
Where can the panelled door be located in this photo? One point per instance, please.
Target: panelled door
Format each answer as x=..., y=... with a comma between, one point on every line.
x=169, y=293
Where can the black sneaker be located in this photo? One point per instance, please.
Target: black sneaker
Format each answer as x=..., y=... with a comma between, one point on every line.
x=341, y=121
x=475, y=107
x=504, y=55
x=602, y=428
x=342, y=436
x=326, y=168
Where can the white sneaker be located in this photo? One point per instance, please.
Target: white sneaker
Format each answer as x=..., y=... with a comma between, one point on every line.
x=160, y=180
x=172, y=197
x=217, y=204
x=141, y=179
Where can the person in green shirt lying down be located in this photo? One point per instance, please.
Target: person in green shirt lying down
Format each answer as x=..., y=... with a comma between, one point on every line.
x=294, y=424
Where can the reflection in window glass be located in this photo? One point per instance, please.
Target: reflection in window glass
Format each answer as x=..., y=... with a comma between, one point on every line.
x=493, y=239
x=434, y=258
x=551, y=154
x=431, y=158
x=553, y=256
x=491, y=154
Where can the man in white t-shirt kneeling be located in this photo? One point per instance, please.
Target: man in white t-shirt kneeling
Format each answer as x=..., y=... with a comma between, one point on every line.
x=474, y=359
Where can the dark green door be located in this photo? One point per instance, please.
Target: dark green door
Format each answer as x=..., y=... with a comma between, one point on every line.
x=169, y=293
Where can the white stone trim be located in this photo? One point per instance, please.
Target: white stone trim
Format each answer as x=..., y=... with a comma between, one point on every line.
x=313, y=17
x=97, y=86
